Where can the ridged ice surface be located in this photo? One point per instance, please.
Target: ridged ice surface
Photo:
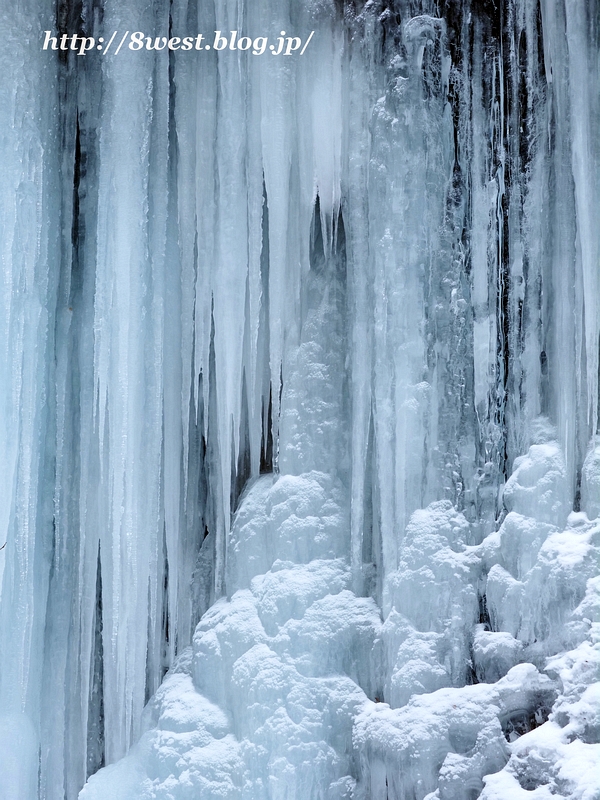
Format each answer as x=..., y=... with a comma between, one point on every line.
x=299, y=403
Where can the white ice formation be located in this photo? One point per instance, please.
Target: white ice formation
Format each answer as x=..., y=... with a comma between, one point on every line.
x=299, y=403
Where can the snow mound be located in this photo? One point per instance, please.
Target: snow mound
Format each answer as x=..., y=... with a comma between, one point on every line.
x=481, y=681
x=263, y=703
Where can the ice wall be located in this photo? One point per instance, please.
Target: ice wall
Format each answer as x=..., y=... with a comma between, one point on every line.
x=30, y=265
x=371, y=270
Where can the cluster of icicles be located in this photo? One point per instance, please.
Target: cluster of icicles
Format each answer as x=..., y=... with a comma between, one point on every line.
x=168, y=220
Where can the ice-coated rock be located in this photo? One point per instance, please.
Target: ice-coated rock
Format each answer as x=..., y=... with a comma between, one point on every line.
x=536, y=608
x=288, y=589
x=297, y=519
x=263, y=703
x=558, y=759
x=590, y=482
x=188, y=751
x=273, y=332
x=434, y=605
x=447, y=741
x=294, y=687
x=538, y=486
x=494, y=653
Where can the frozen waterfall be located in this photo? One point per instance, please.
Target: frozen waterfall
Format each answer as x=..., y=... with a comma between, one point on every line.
x=299, y=383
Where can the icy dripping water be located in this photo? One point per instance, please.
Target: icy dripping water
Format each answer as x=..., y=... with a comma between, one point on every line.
x=339, y=294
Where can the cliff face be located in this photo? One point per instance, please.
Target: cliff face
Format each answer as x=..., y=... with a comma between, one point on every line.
x=299, y=399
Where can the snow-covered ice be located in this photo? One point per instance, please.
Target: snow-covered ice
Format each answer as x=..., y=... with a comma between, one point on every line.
x=300, y=467
x=295, y=687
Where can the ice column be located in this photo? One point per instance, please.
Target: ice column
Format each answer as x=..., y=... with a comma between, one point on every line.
x=29, y=221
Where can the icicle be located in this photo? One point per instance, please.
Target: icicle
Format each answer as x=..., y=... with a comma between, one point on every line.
x=585, y=158
x=384, y=250
x=229, y=277
x=359, y=93
x=128, y=358
x=254, y=366
x=564, y=332
x=484, y=334
x=29, y=269
x=276, y=93
x=204, y=90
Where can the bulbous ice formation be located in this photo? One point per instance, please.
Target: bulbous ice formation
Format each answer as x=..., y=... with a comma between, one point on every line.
x=275, y=331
